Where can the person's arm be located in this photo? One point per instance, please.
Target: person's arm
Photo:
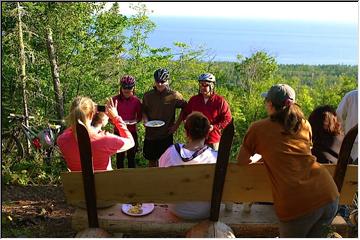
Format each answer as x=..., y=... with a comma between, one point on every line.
x=180, y=103
x=243, y=157
x=144, y=110
x=174, y=127
x=224, y=117
x=138, y=111
x=125, y=140
x=124, y=134
x=247, y=149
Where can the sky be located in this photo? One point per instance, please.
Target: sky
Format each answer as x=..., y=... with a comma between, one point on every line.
x=342, y=12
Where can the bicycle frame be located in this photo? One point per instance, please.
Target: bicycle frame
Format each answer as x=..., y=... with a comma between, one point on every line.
x=30, y=134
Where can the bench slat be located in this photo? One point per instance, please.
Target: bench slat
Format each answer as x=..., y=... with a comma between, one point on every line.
x=173, y=184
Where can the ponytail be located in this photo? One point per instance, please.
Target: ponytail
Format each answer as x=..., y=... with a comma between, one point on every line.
x=81, y=107
x=289, y=116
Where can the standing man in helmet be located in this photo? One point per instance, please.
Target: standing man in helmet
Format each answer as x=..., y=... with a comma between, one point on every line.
x=129, y=108
x=213, y=106
x=160, y=103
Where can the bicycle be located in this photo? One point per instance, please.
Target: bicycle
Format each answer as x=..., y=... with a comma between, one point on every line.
x=12, y=141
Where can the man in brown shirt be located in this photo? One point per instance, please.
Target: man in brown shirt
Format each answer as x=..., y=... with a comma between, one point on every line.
x=160, y=103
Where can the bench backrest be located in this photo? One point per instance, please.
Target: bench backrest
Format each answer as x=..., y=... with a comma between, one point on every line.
x=186, y=183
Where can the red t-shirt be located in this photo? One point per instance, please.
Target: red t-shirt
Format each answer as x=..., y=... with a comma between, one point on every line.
x=129, y=109
x=216, y=109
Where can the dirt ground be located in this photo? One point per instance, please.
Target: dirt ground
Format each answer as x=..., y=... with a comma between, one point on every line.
x=35, y=211
x=40, y=211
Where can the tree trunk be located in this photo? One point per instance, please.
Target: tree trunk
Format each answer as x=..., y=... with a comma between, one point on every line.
x=55, y=74
x=23, y=74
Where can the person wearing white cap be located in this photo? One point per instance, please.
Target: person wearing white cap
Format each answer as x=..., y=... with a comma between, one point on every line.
x=304, y=193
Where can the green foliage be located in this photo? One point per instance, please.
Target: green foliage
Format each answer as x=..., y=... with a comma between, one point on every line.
x=31, y=170
x=95, y=47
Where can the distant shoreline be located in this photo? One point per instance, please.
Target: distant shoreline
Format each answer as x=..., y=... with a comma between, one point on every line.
x=290, y=42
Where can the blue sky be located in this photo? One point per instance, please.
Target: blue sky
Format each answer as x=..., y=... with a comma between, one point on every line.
x=342, y=12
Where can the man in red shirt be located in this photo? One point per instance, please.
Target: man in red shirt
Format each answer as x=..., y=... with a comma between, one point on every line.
x=213, y=106
x=129, y=108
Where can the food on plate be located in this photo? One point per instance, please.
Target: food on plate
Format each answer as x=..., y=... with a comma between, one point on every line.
x=136, y=208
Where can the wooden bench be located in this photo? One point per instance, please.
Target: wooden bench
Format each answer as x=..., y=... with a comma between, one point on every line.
x=188, y=183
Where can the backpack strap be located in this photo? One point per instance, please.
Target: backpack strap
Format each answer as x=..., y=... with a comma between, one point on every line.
x=195, y=154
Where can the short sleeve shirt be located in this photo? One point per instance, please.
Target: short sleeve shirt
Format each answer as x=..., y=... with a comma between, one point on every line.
x=161, y=106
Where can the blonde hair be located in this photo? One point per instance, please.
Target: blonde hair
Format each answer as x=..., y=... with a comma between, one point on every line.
x=80, y=108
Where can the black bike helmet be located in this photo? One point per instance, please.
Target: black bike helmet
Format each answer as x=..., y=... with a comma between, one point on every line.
x=161, y=75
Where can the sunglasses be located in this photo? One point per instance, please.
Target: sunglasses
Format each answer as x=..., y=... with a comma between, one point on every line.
x=162, y=82
x=204, y=84
x=127, y=87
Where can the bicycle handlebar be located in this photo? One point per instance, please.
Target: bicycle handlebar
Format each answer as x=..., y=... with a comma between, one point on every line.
x=19, y=117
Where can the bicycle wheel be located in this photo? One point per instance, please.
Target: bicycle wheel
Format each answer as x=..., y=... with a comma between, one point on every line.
x=10, y=145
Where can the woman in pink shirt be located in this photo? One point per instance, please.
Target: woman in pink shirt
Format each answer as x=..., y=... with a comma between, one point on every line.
x=129, y=108
x=103, y=144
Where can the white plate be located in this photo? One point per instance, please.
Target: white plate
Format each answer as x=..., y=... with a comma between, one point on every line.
x=146, y=209
x=130, y=122
x=155, y=123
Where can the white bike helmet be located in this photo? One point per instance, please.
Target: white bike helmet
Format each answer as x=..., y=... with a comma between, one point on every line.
x=207, y=77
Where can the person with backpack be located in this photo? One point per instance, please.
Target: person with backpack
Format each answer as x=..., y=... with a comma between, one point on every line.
x=194, y=151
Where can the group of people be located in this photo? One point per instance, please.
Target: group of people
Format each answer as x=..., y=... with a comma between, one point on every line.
x=305, y=195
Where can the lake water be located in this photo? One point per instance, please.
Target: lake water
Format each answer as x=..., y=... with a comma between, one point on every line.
x=290, y=42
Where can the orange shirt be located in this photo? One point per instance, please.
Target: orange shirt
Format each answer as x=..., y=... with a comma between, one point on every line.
x=299, y=184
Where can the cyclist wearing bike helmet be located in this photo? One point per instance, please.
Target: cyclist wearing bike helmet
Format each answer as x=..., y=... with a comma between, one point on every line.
x=160, y=103
x=213, y=106
x=129, y=108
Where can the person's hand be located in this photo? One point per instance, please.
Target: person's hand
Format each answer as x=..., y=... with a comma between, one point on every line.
x=111, y=109
x=211, y=128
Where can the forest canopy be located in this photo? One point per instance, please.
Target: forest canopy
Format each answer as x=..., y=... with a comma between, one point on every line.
x=55, y=51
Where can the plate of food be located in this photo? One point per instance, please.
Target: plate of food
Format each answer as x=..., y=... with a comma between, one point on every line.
x=130, y=122
x=154, y=123
x=137, y=209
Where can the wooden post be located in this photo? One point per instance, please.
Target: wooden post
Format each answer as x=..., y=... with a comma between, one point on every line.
x=344, y=156
x=220, y=170
x=89, y=184
x=88, y=173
